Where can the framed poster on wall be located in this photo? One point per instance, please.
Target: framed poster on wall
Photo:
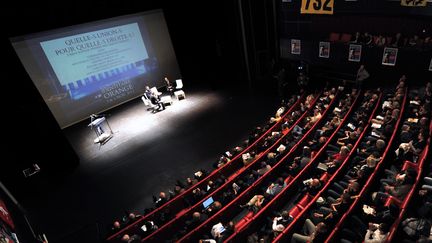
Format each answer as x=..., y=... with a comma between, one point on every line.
x=354, y=53
x=324, y=49
x=389, y=56
x=295, y=47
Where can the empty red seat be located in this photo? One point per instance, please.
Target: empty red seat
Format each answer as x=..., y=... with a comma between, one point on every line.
x=304, y=201
x=181, y=212
x=392, y=200
x=240, y=224
x=345, y=38
x=324, y=177
x=294, y=211
x=245, y=219
x=287, y=180
x=409, y=164
x=334, y=37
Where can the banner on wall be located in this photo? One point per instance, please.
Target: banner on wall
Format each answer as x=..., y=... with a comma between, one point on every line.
x=389, y=56
x=295, y=47
x=414, y=3
x=354, y=53
x=317, y=7
x=324, y=49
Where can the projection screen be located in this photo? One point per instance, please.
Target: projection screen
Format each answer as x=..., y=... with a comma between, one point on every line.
x=90, y=68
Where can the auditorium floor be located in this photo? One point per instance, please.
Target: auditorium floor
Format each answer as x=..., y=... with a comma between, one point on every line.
x=147, y=154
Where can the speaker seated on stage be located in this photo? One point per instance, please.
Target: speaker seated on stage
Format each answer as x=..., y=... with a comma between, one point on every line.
x=155, y=100
x=169, y=86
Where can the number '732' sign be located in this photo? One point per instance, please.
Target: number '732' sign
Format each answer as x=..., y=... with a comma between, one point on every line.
x=317, y=6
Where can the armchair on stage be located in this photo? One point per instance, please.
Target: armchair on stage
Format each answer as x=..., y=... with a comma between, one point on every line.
x=179, y=93
x=102, y=129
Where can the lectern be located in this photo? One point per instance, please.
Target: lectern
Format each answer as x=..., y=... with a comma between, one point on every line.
x=99, y=126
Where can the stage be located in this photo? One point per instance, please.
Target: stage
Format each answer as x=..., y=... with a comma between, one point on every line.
x=147, y=154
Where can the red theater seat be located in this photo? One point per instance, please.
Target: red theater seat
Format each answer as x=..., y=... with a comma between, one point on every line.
x=294, y=211
x=334, y=37
x=345, y=38
x=287, y=180
x=392, y=200
x=245, y=219
x=304, y=201
x=409, y=164
x=324, y=177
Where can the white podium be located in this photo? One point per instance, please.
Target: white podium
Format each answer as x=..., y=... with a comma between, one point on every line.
x=102, y=130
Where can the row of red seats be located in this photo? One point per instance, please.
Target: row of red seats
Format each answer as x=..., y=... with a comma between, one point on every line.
x=177, y=203
x=251, y=217
x=284, y=196
x=233, y=208
x=405, y=203
x=373, y=176
x=171, y=228
x=329, y=179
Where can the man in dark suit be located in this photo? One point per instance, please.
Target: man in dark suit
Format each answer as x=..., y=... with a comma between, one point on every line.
x=155, y=100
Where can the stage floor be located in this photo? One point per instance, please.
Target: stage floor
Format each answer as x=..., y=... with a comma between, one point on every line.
x=147, y=154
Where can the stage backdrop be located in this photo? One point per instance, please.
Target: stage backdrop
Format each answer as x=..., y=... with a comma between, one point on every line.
x=90, y=68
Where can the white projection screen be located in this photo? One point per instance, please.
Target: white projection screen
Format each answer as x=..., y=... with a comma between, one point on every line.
x=90, y=68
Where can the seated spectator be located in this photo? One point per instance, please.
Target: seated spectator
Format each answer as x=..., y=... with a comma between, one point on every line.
x=191, y=181
x=161, y=200
x=316, y=145
x=378, y=148
x=414, y=41
x=417, y=229
x=210, y=186
x=280, y=222
x=149, y=227
x=376, y=233
x=116, y=227
x=367, y=39
x=371, y=162
x=335, y=160
x=197, y=219
x=397, y=41
x=131, y=239
x=357, y=38
x=255, y=203
x=271, y=160
x=312, y=185
x=417, y=146
x=216, y=206
x=220, y=232
x=248, y=157
x=313, y=119
x=264, y=168
x=320, y=214
x=301, y=161
x=276, y=187
x=130, y=218
x=314, y=233
x=351, y=138
x=380, y=41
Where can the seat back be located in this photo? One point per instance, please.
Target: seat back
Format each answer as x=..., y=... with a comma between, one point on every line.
x=179, y=84
x=334, y=37
x=155, y=91
x=345, y=38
